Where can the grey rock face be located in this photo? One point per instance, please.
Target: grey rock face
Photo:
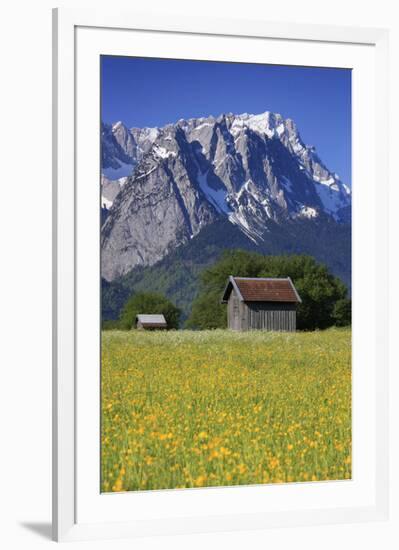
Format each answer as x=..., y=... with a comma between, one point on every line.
x=144, y=138
x=250, y=169
x=109, y=190
x=118, y=151
x=125, y=140
x=112, y=154
x=157, y=209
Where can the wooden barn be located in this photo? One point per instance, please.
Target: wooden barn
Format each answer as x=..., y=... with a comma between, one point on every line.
x=261, y=304
x=150, y=322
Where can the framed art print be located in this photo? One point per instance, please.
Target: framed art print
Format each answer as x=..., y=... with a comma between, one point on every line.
x=227, y=359
x=219, y=341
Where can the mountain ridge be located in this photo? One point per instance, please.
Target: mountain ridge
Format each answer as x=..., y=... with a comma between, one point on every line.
x=252, y=170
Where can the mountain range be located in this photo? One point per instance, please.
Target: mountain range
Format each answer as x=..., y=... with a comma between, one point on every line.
x=246, y=179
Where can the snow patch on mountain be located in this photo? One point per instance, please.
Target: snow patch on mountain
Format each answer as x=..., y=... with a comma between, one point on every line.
x=217, y=197
x=105, y=203
x=333, y=194
x=267, y=123
x=117, y=125
x=122, y=171
x=162, y=152
x=141, y=176
x=239, y=218
x=203, y=125
x=244, y=188
x=308, y=212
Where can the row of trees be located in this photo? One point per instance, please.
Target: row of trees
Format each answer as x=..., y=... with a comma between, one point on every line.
x=324, y=297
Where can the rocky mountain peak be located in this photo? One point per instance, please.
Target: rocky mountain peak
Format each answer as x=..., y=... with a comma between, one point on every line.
x=251, y=169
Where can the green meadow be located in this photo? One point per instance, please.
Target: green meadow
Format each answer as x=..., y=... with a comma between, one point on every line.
x=215, y=407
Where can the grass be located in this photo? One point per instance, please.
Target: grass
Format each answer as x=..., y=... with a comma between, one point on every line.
x=211, y=408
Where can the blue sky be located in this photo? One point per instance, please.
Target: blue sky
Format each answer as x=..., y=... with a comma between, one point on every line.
x=153, y=92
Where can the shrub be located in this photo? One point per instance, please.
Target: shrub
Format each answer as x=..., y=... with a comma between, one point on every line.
x=148, y=302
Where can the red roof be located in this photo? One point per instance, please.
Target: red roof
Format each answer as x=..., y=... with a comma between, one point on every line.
x=262, y=289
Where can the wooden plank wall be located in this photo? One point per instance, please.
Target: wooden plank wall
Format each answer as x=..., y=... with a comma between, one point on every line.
x=275, y=319
x=260, y=315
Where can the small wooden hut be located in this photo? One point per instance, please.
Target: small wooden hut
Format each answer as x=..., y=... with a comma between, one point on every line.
x=261, y=304
x=150, y=322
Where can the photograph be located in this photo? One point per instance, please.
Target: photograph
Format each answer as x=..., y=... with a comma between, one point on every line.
x=225, y=201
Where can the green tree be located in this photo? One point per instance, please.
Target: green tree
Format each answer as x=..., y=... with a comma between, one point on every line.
x=320, y=291
x=343, y=312
x=207, y=311
x=149, y=302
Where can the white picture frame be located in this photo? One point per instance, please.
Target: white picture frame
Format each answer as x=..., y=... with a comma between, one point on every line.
x=71, y=430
